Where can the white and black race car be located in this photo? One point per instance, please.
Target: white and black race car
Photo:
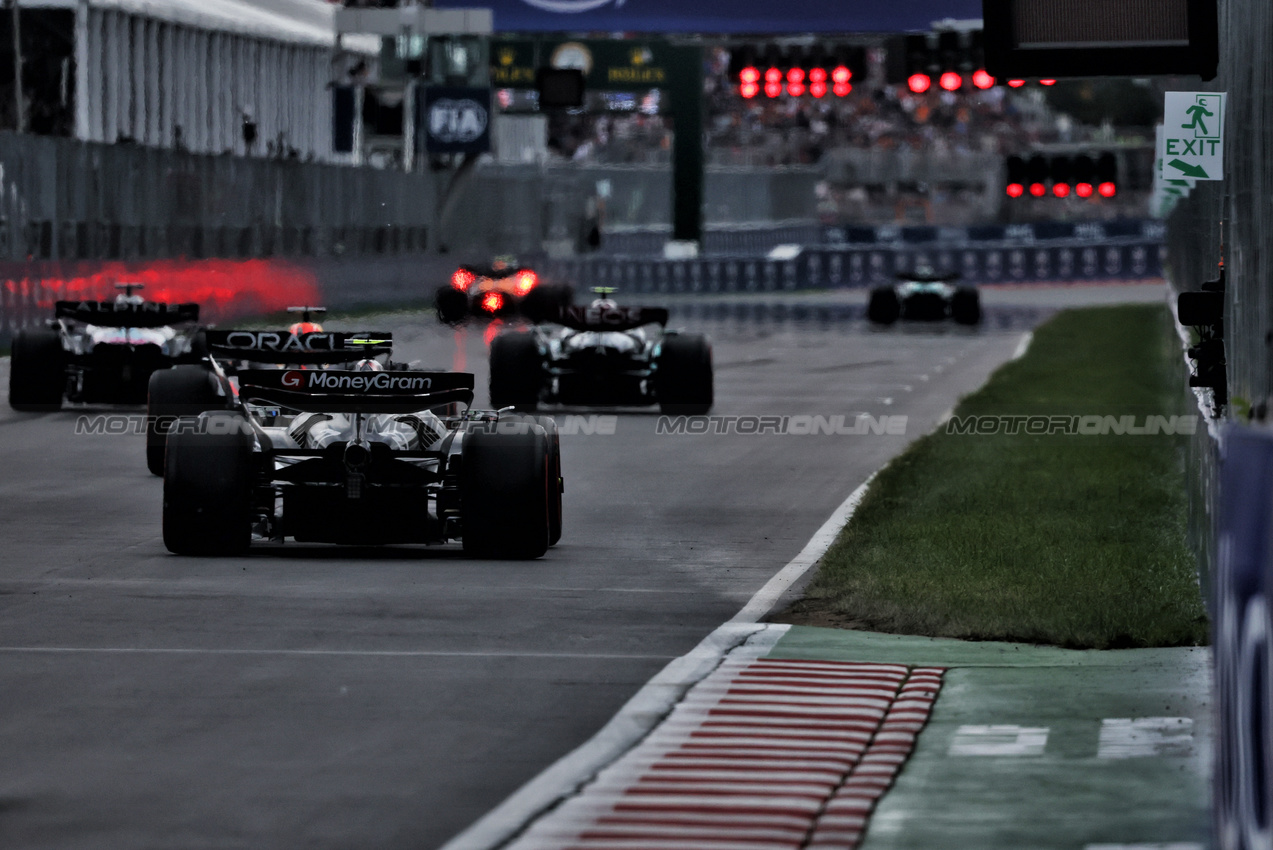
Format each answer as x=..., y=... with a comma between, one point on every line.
x=101, y=352
x=211, y=383
x=925, y=295
x=361, y=456
x=603, y=354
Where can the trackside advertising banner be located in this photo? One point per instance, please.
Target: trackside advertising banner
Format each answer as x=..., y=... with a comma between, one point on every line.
x=719, y=16
x=1243, y=642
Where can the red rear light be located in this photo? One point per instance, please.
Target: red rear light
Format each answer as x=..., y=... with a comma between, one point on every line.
x=526, y=281
x=463, y=279
x=492, y=301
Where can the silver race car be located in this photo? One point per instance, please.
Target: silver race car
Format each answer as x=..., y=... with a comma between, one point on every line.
x=101, y=351
x=925, y=295
x=361, y=456
x=603, y=354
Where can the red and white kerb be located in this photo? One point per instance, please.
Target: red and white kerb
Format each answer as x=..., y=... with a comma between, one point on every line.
x=767, y=754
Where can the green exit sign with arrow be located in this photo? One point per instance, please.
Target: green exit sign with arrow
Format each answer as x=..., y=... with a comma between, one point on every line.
x=1193, y=135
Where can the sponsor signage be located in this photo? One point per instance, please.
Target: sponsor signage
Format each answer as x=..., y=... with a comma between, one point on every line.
x=612, y=317
x=719, y=16
x=606, y=65
x=352, y=344
x=347, y=383
x=146, y=314
x=454, y=119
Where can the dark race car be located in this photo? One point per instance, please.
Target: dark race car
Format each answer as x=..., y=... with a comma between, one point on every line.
x=363, y=456
x=603, y=354
x=503, y=289
x=101, y=352
x=927, y=296
x=188, y=390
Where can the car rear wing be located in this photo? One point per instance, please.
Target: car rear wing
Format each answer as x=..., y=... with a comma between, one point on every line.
x=612, y=318
x=309, y=349
x=928, y=277
x=118, y=314
x=333, y=391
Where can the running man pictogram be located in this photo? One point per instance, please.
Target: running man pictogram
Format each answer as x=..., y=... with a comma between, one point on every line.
x=1196, y=113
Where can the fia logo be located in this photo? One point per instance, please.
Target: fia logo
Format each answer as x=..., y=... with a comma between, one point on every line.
x=457, y=121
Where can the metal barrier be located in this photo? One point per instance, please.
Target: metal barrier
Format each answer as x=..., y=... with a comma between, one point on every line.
x=1124, y=259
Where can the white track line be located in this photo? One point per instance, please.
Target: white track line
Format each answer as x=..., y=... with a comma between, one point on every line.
x=657, y=698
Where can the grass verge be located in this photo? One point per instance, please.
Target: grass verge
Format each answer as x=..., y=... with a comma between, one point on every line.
x=1077, y=541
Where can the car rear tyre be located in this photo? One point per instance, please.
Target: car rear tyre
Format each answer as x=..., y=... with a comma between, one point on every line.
x=37, y=370
x=556, y=484
x=504, y=494
x=884, y=307
x=965, y=306
x=179, y=391
x=516, y=371
x=452, y=305
x=683, y=383
x=208, y=485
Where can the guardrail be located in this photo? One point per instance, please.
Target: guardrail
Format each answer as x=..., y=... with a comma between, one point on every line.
x=1124, y=259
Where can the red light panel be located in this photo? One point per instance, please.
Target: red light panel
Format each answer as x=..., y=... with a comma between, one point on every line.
x=817, y=75
x=749, y=74
x=749, y=90
x=950, y=81
x=773, y=75
x=818, y=89
x=1015, y=190
x=1107, y=190
x=795, y=75
x=773, y=89
x=1061, y=190
x=842, y=89
x=1047, y=82
x=841, y=74
x=919, y=83
x=1038, y=190
x=1016, y=84
x=981, y=79
x=1084, y=190
x=795, y=89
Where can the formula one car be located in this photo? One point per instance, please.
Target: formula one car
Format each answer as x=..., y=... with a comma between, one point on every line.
x=500, y=290
x=926, y=295
x=362, y=457
x=603, y=354
x=101, y=351
x=188, y=390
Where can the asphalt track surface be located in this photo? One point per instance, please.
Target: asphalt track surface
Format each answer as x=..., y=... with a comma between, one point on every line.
x=313, y=696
